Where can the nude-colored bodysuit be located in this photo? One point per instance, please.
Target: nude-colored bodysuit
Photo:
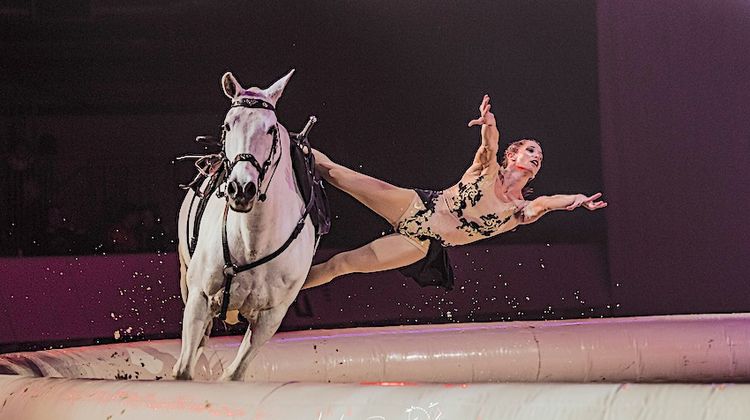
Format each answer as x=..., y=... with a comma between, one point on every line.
x=464, y=213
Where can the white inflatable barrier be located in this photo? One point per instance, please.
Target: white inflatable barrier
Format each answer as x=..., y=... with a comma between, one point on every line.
x=451, y=371
x=683, y=348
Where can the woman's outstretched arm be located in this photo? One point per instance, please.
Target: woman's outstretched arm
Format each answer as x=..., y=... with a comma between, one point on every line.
x=545, y=204
x=486, y=155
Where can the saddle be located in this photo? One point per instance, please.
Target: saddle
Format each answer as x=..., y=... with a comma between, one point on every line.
x=308, y=181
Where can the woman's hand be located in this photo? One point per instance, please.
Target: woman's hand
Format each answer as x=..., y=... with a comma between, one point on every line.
x=485, y=160
x=589, y=203
x=485, y=116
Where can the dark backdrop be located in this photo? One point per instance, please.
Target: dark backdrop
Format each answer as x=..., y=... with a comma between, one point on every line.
x=123, y=87
x=675, y=100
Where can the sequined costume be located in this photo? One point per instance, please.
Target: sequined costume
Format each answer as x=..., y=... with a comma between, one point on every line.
x=462, y=214
x=459, y=215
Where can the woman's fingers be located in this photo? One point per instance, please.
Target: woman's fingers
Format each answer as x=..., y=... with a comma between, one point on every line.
x=587, y=202
x=593, y=197
x=596, y=205
x=591, y=204
x=484, y=108
x=485, y=101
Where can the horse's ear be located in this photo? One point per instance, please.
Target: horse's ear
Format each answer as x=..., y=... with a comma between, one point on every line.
x=231, y=86
x=275, y=90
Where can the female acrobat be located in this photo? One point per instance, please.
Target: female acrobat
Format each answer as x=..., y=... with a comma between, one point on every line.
x=487, y=201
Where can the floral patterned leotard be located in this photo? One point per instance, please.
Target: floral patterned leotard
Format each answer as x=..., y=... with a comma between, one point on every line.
x=464, y=213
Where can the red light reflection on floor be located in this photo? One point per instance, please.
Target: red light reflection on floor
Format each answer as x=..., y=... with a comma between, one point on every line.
x=389, y=383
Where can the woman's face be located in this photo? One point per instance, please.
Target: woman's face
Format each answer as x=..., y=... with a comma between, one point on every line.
x=528, y=157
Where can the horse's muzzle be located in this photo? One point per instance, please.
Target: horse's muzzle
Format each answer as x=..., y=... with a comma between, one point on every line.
x=241, y=196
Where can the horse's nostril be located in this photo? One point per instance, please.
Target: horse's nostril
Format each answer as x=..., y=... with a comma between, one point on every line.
x=232, y=189
x=250, y=189
x=236, y=191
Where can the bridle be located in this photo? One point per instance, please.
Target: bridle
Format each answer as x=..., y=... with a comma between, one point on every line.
x=249, y=157
x=217, y=167
x=231, y=269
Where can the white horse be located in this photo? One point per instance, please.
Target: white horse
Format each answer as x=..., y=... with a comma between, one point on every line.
x=262, y=214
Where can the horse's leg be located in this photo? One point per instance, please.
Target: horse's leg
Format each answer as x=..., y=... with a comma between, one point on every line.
x=386, y=253
x=231, y=370
x=387, y=200
x=193, y=330
x=204, y=340
x=183, y=278
x=257, y=334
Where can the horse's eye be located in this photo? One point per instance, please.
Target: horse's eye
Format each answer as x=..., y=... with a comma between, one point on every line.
x=226, y=127
x=271, y=130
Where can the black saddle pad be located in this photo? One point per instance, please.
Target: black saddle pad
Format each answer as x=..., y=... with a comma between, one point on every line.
x=310, y=183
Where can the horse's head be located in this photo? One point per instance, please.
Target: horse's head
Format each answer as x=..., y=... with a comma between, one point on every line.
x=251, y=140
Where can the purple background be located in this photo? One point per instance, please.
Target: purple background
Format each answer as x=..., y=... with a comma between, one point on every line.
x=61, y=299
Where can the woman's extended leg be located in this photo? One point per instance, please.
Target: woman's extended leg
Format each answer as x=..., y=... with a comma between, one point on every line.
x=386, y=253
x=389, y=201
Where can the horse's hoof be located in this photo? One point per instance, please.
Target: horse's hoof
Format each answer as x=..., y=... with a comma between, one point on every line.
x=226, y=377
x=181, y=376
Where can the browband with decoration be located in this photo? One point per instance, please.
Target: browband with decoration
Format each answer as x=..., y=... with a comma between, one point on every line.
x=252, y=103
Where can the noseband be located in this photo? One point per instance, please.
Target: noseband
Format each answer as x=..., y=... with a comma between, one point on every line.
x=249, y=157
